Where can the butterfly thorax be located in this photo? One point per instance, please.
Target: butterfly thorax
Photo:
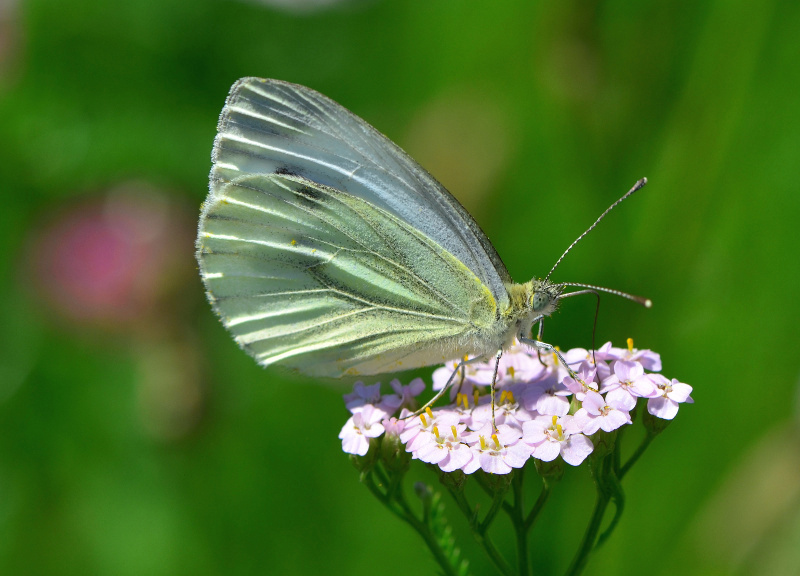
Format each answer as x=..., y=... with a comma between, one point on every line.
x=528, y=303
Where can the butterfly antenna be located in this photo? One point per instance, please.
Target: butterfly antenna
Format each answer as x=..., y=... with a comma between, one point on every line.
x=640, y=184
x=591, y=289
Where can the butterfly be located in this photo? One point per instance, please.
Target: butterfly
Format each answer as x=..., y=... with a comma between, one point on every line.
x=325, y=248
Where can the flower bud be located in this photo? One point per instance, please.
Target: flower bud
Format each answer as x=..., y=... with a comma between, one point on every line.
x=550, y=471
x=393, y=453
x=653, y=424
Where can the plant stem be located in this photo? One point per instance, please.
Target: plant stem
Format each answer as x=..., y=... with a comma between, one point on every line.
x=520, y=525
x=399, y=506
x=582, y=555
x=540, y=502
x=602, y=469
x=635, y=456
x=479, y=529
x=497, y=503
x=369, y=481
x=618, y=496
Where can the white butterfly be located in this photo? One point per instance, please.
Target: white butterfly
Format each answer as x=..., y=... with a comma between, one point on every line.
x=325, y=248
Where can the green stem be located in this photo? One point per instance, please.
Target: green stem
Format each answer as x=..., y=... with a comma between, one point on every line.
x=540, y=502
x=635, y=456
x=520, y=525
x=601, y=470
x=617, y=453
x=582, y=555
x=497, y=503
x=369, y=482
x=405, y=513
x=495, y=555
x=479, y=530
x=618, y=496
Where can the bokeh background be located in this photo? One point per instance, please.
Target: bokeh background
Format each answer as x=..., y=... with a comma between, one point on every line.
x=136, y=438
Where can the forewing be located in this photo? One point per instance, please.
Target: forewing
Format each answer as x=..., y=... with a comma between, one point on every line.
x=324, y=282
x=270, y=126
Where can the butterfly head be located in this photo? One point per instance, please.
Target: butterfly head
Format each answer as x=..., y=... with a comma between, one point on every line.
x=543, y=297
x=530, y=302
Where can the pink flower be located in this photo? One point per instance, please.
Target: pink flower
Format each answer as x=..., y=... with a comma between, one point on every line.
x=579, y=389
x=596, y=415
x=445, y=448
x=362, y=394
x=393, y=426
x=496, y=453
x=626, y=384
x=550, y=436
x=507, y=409
x=670, y=394
x=517, y=365
x=423, y=429
x=647, y=358
x=547, y=397
x=587, y=359
x=409, y=393
x=531, y=409
x=370, y=395
x=474, y=374
x=361, y=426
x=111, y=260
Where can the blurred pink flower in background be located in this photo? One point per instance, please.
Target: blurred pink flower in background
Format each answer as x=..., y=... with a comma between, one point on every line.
x=123, y=262
x=111, y=259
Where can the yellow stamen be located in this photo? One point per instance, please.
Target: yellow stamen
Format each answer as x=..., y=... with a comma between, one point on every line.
x=423, y=420
x=496, y=441
x=630, y=344
x=555, y=420
x=429, y=413
x=560, y=430
x=502, y=396
x=475, y=396
x=465, y=401
x=436, y=432
x=483, y=442
x=510, y=397
x=465, y=358
x=511, y=372
x=455, y=432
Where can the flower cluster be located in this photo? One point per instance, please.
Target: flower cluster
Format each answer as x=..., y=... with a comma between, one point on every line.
x=539, y=410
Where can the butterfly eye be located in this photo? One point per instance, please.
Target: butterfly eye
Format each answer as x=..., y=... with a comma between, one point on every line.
x=540, y=300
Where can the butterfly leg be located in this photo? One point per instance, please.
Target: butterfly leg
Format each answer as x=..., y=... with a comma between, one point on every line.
x=459, y=368
x=550, y=348
x=494, y=380
x=540, y=337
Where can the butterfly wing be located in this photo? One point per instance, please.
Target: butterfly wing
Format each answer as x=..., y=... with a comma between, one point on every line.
x=324, y=282
x=270, y=126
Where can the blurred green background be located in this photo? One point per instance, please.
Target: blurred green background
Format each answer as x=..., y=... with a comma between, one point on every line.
x=136, y=438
